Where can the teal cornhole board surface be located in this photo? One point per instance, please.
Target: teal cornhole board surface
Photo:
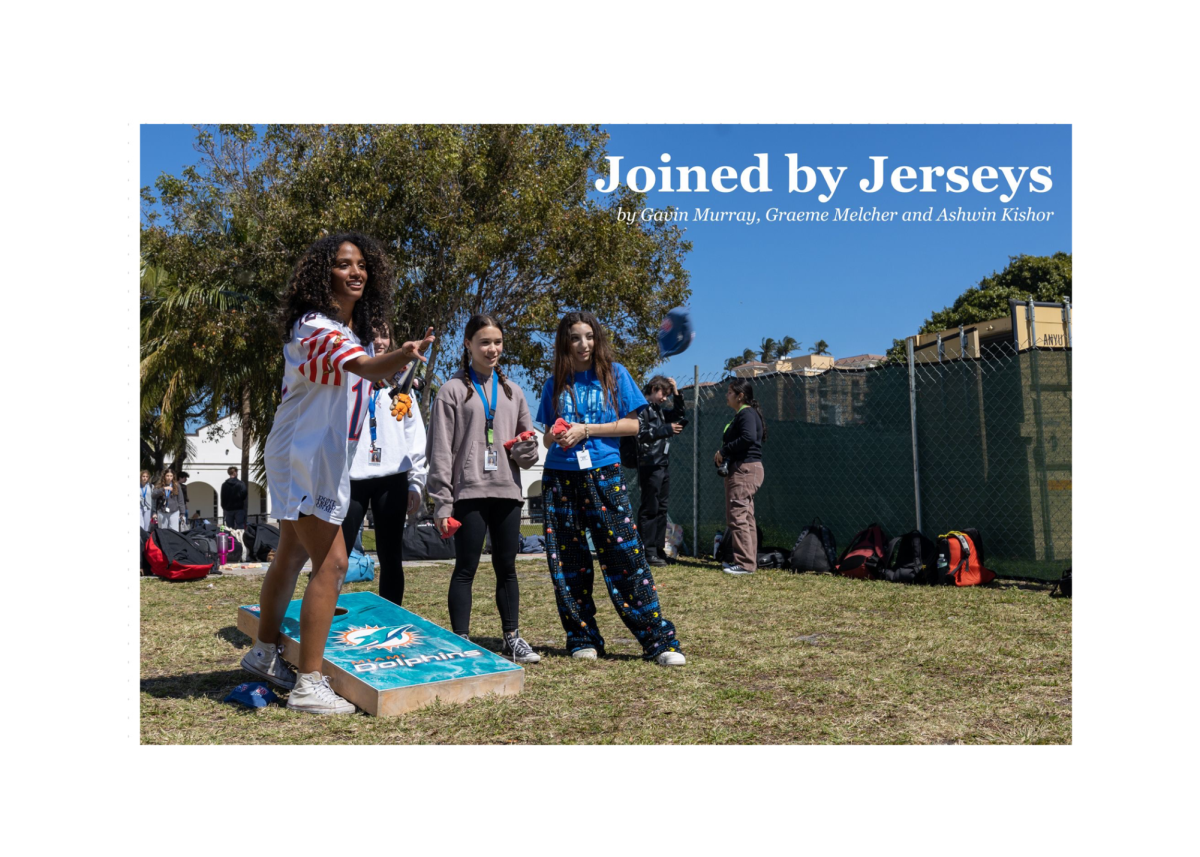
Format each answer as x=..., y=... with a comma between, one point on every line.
x=388, y=660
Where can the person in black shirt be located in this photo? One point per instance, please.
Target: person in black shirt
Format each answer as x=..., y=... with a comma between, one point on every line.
x=656, y=426
x=741, y=452
x=233, y=501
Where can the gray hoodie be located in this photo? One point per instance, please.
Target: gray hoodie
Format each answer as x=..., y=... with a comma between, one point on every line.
x=458, y=443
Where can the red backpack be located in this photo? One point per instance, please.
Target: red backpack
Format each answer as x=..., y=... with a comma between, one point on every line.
x=173, y=557
x=862, y=556
x=960, y=559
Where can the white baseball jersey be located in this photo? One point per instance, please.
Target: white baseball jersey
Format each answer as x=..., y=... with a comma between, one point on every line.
x=308, y=452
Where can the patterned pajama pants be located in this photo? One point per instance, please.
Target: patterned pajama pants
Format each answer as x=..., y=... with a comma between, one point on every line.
x=597, y=501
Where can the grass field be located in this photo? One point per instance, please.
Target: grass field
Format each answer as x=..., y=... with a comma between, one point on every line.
x=773, y=658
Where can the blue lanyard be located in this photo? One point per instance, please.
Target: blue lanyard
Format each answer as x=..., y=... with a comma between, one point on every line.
x=371, y=408
x=489, y=408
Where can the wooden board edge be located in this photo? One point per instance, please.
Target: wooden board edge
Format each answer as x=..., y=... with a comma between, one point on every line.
x=389, y=703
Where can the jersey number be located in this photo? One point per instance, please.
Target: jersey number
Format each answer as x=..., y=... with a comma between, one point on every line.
x=355, y=426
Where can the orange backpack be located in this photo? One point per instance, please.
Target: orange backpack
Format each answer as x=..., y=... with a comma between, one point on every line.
x=862, y=556
x=960, y=559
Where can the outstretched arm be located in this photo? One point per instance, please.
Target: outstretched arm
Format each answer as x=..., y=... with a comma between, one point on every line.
x=386, y=365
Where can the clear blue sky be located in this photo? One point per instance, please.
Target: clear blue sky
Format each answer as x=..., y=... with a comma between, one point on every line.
x=855, y=285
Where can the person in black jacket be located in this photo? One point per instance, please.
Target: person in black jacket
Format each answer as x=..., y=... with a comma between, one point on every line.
x=656, y=426
x=741, y=452
x=233, y=501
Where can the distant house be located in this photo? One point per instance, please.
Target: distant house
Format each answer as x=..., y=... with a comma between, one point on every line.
x=215, y=448
x=859, y=361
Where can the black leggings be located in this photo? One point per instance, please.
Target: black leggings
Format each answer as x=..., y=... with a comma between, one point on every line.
x=502, y=518
x=388, y=496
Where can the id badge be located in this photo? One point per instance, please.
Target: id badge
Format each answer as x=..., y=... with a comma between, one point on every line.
x=491, y=460
x=583, y=458
x=376, y=455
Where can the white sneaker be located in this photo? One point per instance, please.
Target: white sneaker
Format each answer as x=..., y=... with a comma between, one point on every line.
x=314, y=695
x=520, y=651
x=266, y=662
x=584, y=654
x=670, y=659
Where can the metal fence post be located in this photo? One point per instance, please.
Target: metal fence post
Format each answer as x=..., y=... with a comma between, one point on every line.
x=696, y=461
x=912, y=405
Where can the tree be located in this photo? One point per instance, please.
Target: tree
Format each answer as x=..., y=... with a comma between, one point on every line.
x=766, y=349
x=1046, y=278
x=786, y=346
x=822, y=347
x=490, y=217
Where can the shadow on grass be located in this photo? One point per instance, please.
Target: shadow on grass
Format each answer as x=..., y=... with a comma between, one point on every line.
x=213, y=685
x=230, y=634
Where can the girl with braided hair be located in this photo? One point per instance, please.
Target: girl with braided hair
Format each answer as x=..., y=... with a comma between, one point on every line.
x=583, y=491
x=337, y=298
x=473, y=477
x=742, y=452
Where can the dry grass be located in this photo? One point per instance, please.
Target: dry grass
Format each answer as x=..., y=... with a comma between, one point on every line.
x=773, y=658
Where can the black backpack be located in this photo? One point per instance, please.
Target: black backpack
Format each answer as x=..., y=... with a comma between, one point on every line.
x=422, y=540
x=266, y=539
x=1063, y=585
x=770, y=558
x=910, y=558
x=815, y=549
x=206, y=545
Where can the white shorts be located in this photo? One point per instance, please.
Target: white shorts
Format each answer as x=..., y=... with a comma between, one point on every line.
x=301, y=484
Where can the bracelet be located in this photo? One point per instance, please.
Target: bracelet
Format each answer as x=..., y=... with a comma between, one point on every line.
x=587, y=434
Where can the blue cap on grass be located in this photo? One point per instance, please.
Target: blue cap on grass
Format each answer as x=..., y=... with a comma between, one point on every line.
x=252, y=694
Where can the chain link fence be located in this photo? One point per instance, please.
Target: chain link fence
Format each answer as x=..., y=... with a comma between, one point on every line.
x=992, y=451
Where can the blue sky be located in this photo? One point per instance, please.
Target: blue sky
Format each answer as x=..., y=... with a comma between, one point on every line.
x=855, y=285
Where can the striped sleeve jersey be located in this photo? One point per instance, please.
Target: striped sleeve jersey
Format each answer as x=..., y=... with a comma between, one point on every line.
x=307, y=452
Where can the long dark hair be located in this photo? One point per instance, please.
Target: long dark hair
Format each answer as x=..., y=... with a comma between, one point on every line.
x=743, y=388
x=310, y=288
x=475, y=324
x=602, y=361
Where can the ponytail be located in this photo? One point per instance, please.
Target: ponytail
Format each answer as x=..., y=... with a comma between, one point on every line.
x=504, y=383
x=762, y=419
x=466, y=370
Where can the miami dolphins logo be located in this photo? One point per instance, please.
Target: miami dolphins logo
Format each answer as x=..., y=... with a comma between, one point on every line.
x=369, y=637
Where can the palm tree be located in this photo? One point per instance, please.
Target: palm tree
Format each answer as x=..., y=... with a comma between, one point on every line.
x=767, y=349
x=732, y=363
x=785, y=347
x=822, y=347
x=749, y=355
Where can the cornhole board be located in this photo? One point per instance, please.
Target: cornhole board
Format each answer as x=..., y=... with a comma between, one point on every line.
x=387, y=660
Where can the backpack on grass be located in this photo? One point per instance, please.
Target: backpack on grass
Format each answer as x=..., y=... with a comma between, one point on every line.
x=266, y=539
x=173, y=557
x=1063, y=585
x=864, y=554
x=960, y=559
x=421, y=540
x=910, y=558
x=359, y=566
x=815, y=549
x=770, y=558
